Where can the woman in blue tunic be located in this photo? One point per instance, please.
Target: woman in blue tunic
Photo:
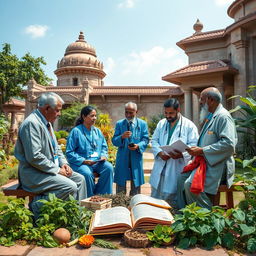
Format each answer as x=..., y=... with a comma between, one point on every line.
x=87, y=152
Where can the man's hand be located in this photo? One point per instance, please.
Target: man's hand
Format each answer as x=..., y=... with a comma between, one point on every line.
x=195, y=151
x=136, y=146
x=164, y=156
x=126, y=134
x=89, y=162
x=65, y=170
x=176, y=154
x=103, y=158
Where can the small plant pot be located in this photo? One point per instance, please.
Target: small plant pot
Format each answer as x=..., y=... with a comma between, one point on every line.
x=136, y=238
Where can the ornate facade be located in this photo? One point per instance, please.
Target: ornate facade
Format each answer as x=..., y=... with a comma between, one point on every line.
x=224, y=58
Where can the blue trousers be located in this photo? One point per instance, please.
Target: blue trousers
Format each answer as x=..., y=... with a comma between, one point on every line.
x=105, y=182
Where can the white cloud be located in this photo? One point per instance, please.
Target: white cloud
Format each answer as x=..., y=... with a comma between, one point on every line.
x=36, y=30
x=145, y=60
x=223, y=2
x=109, y=65
x=127, y=4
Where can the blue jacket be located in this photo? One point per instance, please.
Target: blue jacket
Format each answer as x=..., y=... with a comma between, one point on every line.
x=81, y=145
x=140, y=137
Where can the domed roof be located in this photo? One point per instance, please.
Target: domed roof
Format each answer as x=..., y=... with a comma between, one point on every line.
x=80, y=54
x=80, y=46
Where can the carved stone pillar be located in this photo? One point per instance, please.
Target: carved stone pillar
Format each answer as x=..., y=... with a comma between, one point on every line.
x=188, y=103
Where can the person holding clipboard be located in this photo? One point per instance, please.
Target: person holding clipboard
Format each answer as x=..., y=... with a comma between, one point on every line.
x=168, y=165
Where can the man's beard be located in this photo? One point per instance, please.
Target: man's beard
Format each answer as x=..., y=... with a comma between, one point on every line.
x=172, y=119
x=203, y=113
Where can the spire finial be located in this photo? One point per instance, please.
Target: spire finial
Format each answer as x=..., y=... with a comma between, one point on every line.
x=198, y=26
x=81, y=36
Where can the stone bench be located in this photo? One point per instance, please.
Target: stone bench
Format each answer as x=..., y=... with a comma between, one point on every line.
x=228, y=194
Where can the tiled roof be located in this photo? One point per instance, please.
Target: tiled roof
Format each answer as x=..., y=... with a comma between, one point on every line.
x=136, y=90
x=202, y=36
x=15, y=102
x=120, y=90
x=198, y=68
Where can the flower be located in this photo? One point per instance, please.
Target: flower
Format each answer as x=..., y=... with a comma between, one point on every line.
x=86, y=241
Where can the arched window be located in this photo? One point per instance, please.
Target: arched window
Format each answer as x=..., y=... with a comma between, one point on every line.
x=75, y=81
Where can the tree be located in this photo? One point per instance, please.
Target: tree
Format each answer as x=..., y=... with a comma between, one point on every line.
x=15, y=73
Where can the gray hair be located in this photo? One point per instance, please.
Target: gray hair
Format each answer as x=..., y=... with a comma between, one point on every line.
x=49, y=98
x=214, y=94
x=132, y=104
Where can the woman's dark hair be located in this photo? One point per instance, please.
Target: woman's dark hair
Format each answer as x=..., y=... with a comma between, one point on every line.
x=172, y=103
x=84, y=112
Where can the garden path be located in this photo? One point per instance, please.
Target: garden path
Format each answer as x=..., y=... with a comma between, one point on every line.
x=27, y=250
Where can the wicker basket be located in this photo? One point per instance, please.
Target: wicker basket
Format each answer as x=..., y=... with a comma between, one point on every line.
x=136, y=238
x=106, y=203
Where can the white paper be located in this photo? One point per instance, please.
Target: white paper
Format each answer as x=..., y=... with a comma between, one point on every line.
x=178, y=145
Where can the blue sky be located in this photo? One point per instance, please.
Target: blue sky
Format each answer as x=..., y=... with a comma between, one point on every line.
x=135, y=39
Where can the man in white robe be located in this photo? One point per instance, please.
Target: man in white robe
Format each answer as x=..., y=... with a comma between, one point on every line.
x=167, y=167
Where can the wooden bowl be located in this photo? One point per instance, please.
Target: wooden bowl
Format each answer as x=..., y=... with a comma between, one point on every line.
x=136, y=238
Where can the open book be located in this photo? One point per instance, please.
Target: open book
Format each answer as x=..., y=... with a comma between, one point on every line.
x=119, y=219
x=144, y=199
x=178, y=145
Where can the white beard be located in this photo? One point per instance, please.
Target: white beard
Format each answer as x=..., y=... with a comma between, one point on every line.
x=203, y=113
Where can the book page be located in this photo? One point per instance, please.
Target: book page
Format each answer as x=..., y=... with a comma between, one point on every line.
x=111, y=216
x=178, y=145
x=144, y=199
x=150, y=215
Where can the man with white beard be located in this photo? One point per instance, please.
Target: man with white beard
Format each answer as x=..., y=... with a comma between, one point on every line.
x=213, y=162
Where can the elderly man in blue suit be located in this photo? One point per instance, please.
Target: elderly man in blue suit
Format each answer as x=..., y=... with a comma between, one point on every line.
x=43, y=168
x=131, y=138
x=216, y=144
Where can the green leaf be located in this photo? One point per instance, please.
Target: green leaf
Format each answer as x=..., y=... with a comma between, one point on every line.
x=228, y=240
x=183, y=243
x=178, y=226
x=210, y=241
x=251, y=245
x=239, y=215
x=248, y=162
x=219, y=224
x=167, y=239
x=246, y=229
x=192, y=240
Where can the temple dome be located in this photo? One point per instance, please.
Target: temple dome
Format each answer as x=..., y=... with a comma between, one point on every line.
x=78, y=64
x=80, y=46
x=80, y=53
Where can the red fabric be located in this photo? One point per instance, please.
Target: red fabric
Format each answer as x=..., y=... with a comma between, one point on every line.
x=197, y=185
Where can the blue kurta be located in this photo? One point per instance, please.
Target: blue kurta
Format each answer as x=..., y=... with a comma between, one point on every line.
x=140, y=137
x=84, y=144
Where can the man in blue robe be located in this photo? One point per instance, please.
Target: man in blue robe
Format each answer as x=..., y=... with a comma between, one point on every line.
x=131, y=138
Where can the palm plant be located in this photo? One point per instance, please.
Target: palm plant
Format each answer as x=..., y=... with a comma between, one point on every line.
x=246, y=122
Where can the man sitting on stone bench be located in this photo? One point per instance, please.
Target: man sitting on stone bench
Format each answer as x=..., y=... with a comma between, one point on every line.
x=213, y=162
x=43, y=168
